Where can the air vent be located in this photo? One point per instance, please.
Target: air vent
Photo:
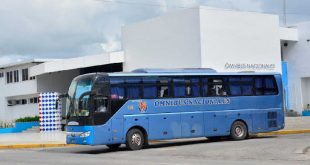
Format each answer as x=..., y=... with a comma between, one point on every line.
x=272, y=119
x=272, y=115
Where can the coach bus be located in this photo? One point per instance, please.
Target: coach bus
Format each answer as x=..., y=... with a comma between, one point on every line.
x=132, y=108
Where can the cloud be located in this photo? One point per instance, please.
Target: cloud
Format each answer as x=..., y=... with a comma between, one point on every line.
x=65, y=28
x=69, y=28
x=242, y=5
x=13, y=59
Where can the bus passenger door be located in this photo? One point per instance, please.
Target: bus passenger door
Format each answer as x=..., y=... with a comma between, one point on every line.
x=117, y=130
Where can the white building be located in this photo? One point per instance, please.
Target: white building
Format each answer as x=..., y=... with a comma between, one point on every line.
x=297, y=56
x=21, y=83
x=227, y=41
x=206, y=37
x=19, y=94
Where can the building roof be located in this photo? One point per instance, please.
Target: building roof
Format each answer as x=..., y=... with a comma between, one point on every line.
x=76, y=63
x=25, y=62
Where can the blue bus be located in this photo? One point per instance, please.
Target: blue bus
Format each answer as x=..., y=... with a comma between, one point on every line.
x=132, y=108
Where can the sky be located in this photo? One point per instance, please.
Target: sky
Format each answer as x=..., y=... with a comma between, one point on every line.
x=71, y=28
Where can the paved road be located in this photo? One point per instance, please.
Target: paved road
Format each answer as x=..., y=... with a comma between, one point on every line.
x=282, y=149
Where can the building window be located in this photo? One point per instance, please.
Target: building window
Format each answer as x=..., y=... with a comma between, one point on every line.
x=16, y=76
x=1, y=74
x=9, y=77
x=25, y=74
x=17, y=102
x=35, y=100
x=24, y=101
x=11, y=102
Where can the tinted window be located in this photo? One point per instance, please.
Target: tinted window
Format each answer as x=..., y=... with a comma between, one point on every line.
x=214, y=87
x=179, y=87
x=164, y=88
x=117, y=88
x=241, y=85
x=132, y=88
x=266, y=85
x=195, y=87
x=149, y=87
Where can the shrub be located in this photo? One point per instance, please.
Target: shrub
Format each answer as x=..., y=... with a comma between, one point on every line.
x=28, y=119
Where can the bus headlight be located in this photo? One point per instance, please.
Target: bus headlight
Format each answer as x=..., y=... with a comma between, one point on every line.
x=85, y=134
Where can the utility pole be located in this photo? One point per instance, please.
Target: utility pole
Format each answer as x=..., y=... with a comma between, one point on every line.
x=284, y=12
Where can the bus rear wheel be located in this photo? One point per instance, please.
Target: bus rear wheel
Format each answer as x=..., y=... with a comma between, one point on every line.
x=113, y=146
x=135, y=139
x=238, y=130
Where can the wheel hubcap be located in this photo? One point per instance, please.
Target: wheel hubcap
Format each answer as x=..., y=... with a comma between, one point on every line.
x=136, y=139
x=239, y=131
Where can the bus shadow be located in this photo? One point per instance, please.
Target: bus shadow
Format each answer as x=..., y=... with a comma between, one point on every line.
x=163, y=144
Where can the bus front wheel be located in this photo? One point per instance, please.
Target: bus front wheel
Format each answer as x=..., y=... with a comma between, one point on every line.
x=134, y=139
x=238, y=131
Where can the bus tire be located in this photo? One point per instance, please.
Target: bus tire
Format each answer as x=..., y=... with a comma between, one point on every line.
x=238, y=130
x=113, y=146
x=135, y=139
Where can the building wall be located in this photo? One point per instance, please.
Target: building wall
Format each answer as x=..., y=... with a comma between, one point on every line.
x=21, y=88
x=204, y=37
x=2, y=101
x=297, y=55
x=17, y=111
x=231, y=37
x=56, y=82
x=171, y=41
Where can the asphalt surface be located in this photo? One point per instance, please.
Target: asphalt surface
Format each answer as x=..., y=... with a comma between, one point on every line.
x=281, y=149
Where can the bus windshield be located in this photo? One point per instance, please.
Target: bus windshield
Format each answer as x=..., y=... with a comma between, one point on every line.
x=78, y=101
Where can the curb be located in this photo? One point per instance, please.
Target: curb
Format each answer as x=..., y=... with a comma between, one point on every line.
x=285, y=132
x=20, y=146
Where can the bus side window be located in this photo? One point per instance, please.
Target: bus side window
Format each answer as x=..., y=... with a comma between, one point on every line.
x=179, y=87
x=205, y=86
x=234, y=86
x=265, y=85
x=194, y=87
x=133, y=88
x=117, y=89
x=247, y=85
x=270, y=86
x=216, y=87
x=149, y=88
x=164, y=88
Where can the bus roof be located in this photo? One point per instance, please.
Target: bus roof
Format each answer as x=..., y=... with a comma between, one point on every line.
x=187, y=73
